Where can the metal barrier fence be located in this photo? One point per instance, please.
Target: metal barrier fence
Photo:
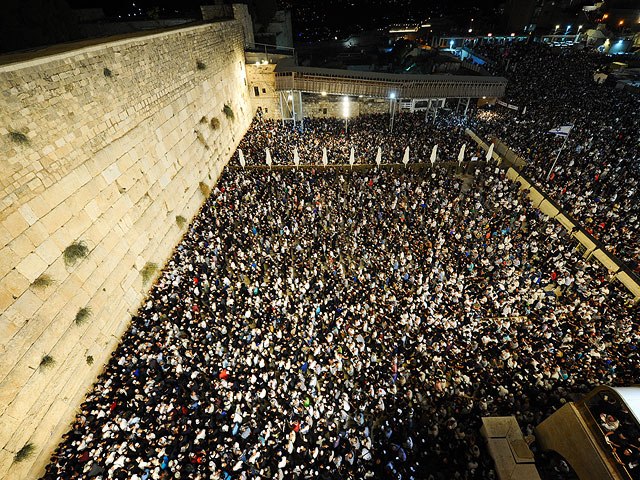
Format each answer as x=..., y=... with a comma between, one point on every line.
x=594, y=248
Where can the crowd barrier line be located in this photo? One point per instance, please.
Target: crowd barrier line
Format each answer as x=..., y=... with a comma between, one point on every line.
x=593, y=248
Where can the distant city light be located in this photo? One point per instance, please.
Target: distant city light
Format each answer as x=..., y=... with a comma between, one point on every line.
x=513, y=34
x=620, y=22
x=489, y=34
x=605, y=16
x=470, y=30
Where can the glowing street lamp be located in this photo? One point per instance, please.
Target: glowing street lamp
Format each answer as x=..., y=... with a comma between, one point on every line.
x=392, y=96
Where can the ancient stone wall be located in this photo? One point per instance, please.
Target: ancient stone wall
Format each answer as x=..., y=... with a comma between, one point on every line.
x=333, y=106
x=106, y=145
x=262, y=89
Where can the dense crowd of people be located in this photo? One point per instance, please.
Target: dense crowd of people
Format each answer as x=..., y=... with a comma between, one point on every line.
x=337, y=324
x=597, y=176
x=364, y=134
x=351, y=325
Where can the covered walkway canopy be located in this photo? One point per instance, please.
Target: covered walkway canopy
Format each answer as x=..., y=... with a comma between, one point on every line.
x=330, y=81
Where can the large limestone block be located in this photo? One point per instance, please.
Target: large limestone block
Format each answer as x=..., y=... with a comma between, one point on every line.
x=21, y=246
x=15, y=224
x=28, y=214
x=49, y=251
x=32, y=266
x=28, y=304
x=37, y=233
x=56, y=218
x=111, y=173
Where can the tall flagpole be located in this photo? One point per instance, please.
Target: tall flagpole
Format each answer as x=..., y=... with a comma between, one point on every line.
x=557, y=156
x=560, y=151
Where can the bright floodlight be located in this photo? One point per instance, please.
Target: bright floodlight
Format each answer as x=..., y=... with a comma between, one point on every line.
x=324, y=94
x=392, y=95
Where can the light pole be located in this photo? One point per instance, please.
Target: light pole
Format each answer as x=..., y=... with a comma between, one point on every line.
x=345, y=112
x=392, y=96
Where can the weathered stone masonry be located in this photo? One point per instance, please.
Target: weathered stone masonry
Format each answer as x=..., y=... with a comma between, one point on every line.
x=109, y=145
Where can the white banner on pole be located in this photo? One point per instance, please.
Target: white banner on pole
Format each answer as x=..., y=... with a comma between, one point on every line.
x=405, y=159
x=352, y=157
x=269, y=161
x=241, y=157
x=461, y=154
x=324, y=156
x=434, y=152
x=379, y=157
x=296, y=157
x=490, y=152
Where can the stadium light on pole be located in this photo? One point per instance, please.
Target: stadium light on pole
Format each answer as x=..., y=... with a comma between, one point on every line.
x=392, y=97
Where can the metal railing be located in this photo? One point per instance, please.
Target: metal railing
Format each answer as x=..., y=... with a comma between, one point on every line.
x=269, y=50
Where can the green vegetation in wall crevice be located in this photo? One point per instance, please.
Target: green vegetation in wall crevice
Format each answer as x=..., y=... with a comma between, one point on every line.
x=46, y=362
x=83, y=315
x=19, y=137
x=74, y=252
x=148, y=271
x=42, y=282
x=24, y=453
x=228, y=111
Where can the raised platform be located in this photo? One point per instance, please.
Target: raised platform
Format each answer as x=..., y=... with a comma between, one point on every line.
x=512, y=457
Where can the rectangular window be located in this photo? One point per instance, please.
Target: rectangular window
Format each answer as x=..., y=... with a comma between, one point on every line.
x=324, y=111
x=256, y=91
x=264, y=90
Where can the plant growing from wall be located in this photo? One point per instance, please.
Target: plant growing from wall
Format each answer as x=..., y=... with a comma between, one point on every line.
x=215, y=124
x=83, y=315
x=201, y=139
x=46, y=362
x=148, y=271
x=24, y=453
x=19, y=137
x=89, y=359
x=204, y=189
x=200, y=65
x=74, y=252
x=43, y=281
x=180, y=220
x=228, y=111
x=107, y=72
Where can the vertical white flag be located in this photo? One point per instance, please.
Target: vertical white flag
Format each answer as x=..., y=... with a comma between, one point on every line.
x=434, y=152
x=269, y=161
x=461, y=154
x=405, y=159
x=324, y=156
x=490, y=152
x=241, y=157
x=379, y=156
x=352, y=157
x=296, y=157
